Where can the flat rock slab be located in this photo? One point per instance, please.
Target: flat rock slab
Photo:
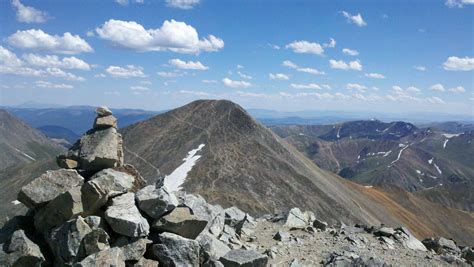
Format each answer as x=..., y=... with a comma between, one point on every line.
x=100, y=149
x=105, y=122
x=296, y=219
x=156, y=201
x=181, y=222
x=242, y=257
x=48, y=186
x=174, y=250
x=125, y=218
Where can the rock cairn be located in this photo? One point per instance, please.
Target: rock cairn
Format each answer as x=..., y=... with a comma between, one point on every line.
x=98, y=211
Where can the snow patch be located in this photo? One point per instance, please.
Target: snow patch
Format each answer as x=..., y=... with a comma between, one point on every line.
x=430, y=161
x=24, y=154
x=447, y=135
x=418, y=171
x=301, y=134
x=438, y=169
x=399, y=153
x=445, y=142
x=175, y=180
x=368, y=186
x=16, y=202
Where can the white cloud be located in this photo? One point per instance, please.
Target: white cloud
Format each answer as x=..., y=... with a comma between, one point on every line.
x=56, y=72
x=331, y=44
x=45, y=84
x=244, y=76
x=397, y=89
x=90, y=34
x=339, y=64
x=125, y=72
x=187, y=65
x=458, y=3
x=305, y=47
x=55, y=61
x=435, y=100
x=350, y=52
x=458, y=89
x=8, y=58
x=173, y=36
x=274, y=46
x=289, y=64
x=239, y=66
x=126, y=2
x=139, y=88
x=311, y=71
x=355, y=19
x=413, y=89
x=375, y=75
x=459, y=64
x=28, y=14
x=420, y=68
x=356, y=87
x=146, y=82
x=182, y=4
x=39, y=40
x=278, y=76
x=171, y=74
x=236, y=84
x=209, y=81
x=306, y=86
x=437, y=87
x=196, y=93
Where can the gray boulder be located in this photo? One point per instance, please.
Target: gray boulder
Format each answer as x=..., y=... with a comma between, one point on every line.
x=23, y=252
x=241, y=257
x=109, y=257
x=440, y=245
x=105, y=122
x=156, y=201
x=95, y=241
x=133, y=248
x=230, y=237
x=212, y=248
x=174, y=250
x=61, y=209
x=101, y=149
x=296, y=219
x=104, y=185
x=180, y=221
x=247, y=226
x=146, y=263
x=48, y=186
x=124, y=218
x=65, y=241
x=468, y=254
x=213, y=214
x=384, y=231
x=103, y=111
x=94, y=222
x=233, y=216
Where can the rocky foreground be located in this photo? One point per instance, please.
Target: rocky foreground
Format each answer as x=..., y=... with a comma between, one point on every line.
x=96, y=211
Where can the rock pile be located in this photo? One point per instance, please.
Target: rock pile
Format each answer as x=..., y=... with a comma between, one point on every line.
x=96, y=211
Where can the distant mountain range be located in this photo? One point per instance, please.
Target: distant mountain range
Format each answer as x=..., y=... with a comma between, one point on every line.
x=387, y=154
x=218, y=150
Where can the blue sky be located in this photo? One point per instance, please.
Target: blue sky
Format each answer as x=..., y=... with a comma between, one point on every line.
x=384, y=56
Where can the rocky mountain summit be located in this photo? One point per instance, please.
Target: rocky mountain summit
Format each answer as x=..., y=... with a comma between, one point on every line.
x=98, y=211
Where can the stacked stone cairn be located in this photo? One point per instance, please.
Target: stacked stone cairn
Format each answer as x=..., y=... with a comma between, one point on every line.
x=96, y=211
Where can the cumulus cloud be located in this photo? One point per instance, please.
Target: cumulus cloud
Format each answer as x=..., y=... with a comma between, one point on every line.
x=458, y=3
x=434, y=100
x=458, y=89
x=235, y=84
x=306, y=86
x=375, y=75
x=39, y=40
x=125, y=72
x=139, y=88
x=311, y=71
x=459, y=64
x=420, y=68
x=350, y=52
x=187, y=65
x=46, y=84
x=172, y=36
x=278, y=76
x=355, y=19
x=182, y=4
x=331, y=44
x=55, y=61
x=305, y=47
x=356, y=87
x=28, y=14
x=437, y=87
x=339, y=64
x=170, y=74
x=244, y=76
x=289, y=64
x=413, y=89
